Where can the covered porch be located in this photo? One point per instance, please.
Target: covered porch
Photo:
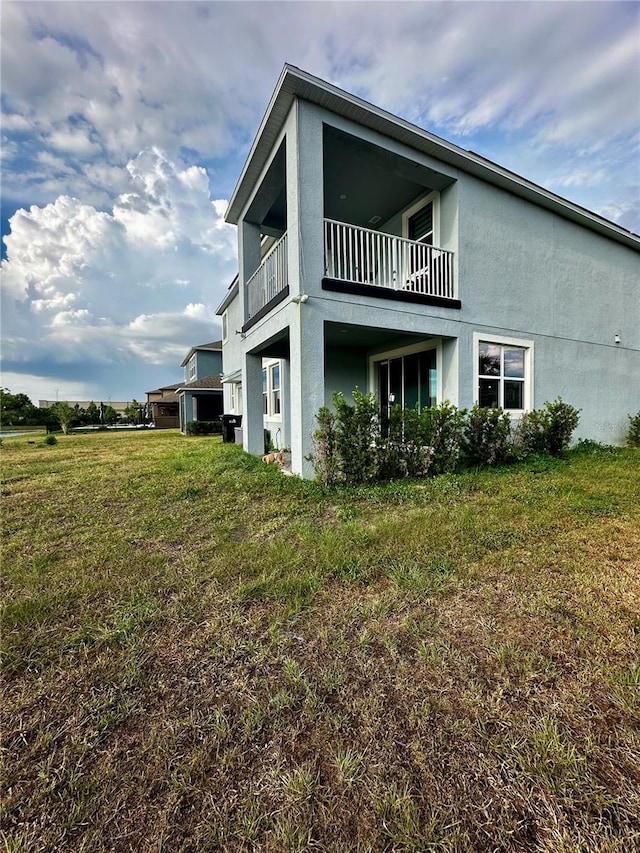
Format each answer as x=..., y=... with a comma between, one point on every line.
x=402, y=368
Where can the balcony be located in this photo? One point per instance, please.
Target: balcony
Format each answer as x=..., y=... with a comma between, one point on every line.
x=270, y=282
x=362, y=261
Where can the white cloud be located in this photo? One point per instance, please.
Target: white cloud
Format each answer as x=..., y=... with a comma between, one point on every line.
x=78, y=282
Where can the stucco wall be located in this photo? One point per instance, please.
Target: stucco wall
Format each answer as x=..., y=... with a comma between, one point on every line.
x=526, y=272
x=208, y=363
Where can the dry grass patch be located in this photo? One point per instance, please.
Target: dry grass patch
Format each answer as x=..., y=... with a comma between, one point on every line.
x=201, y=654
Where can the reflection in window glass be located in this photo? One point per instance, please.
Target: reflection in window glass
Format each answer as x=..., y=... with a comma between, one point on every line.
x=489, y=360
x=514, y=362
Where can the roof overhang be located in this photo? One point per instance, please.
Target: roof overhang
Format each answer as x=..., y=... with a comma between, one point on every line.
x=231, y=293
x=295, y=83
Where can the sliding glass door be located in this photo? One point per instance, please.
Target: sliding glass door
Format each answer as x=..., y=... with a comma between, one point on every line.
x=408, y=381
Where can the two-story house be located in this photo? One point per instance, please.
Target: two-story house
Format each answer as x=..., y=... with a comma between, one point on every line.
x=200, y=396
x=373, y=254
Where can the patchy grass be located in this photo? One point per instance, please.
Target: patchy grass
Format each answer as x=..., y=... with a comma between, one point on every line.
x=201, y=654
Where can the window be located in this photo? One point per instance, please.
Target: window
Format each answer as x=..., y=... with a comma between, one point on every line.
x=275, y=389
x=191, y=368
x=503, y=370
x=265, y=391
x=271, y=390
x=225, y=332
x=420, y=225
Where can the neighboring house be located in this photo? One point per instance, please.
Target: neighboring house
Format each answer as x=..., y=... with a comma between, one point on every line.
x=273, y=402
x=200, y=395
x=162, y=405
x=375, y=254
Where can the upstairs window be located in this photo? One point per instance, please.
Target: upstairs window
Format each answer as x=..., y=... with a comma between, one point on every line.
x=191, y=368
x=420, y=225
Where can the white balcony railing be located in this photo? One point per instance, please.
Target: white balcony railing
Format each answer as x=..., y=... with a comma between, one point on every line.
x=270, y=278
x=363, y=256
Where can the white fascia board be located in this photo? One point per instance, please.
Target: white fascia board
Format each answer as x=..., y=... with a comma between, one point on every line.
x=229, y=296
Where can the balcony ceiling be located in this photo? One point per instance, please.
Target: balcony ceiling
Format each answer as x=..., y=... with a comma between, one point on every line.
x=362, y=180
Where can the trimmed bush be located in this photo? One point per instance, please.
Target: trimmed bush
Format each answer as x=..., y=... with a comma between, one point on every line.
x=561, y=421
x=485, y=436
x=441, y=429
x=357, y=428
x=50, y=439
x=358, y=444
x=325, y=458
x=547, y=430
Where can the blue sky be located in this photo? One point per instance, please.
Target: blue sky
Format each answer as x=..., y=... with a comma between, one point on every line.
x=125, y=127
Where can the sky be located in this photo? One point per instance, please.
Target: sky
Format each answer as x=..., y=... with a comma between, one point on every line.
x=125, y=127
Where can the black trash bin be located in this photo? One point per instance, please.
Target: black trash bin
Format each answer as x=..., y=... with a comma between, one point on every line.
x=229, y=424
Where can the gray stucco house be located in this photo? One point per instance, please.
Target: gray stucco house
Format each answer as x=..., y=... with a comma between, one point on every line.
x=200, y=396
x=373, y=254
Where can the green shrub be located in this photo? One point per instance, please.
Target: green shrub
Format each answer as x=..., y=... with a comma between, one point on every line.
x=547, y=430
x=204, y=427
x=325, y=458
x=529, y=435
x=561, y=421
x=401, y=451
x=633, y=435
x=357, y=428
x=485, y=436
x=441, y=429
x=50, y=439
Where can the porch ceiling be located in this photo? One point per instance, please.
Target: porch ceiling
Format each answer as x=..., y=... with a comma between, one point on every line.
x=366, y=337
x=269, y=207
x=362, y=180
x=275, y=347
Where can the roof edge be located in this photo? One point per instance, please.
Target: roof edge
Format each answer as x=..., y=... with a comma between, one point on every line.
x=294, y=82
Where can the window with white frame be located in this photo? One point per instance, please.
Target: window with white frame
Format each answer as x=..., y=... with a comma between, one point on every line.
x=225, y=332
x=275, y=388
x=265, y=391
x=271, y=390
x=503, y=371
x=191, y=368
x=420, y=221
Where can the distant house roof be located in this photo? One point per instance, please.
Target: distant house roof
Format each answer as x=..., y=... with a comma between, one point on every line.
x=208, y=383
x=168, y=398
x=162, y=388
x=214, y=346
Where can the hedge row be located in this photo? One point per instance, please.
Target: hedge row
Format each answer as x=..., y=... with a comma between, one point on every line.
x=356, y=443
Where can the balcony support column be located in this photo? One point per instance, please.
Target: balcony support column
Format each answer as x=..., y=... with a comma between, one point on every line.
x=252, y=421
x=307, y=383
